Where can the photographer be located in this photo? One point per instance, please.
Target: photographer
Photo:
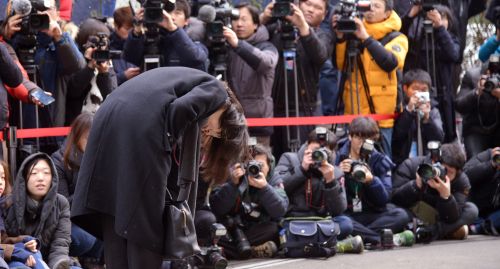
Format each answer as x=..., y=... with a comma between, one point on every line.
x=437, y=197
x=480, y=108
x=419, y=118
x=251, y=66
x=56, y=57
x=90, y=86
x=251, y=199
x=123, y=21
x=380, y=64
x=174, y=46
x=312, y=186
x=435, y=47
x=313, y=48
x=368, y=184
x=483, y=171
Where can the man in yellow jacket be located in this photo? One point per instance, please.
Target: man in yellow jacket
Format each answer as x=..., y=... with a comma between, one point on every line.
x=380, y=63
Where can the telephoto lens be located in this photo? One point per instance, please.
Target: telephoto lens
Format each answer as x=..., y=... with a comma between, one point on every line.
x=358, y=171
x=318, y=156
x=254, y=168
x=430, y=171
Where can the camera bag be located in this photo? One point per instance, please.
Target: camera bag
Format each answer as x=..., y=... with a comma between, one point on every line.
x=309, y=237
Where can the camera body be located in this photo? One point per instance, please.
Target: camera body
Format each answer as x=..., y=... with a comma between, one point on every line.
x=282, y=8
x=153, y=10
x=101, y=43
x=319, y=155
x=427, y=5
x=211, y=256
x=428, y=171
x=253, y=168
x=235, y=226
x=423, y=97
x=358, y=167
x=348, y=10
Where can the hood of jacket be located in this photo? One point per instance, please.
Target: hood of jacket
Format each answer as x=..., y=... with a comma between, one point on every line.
x=260, y=35
x=18, y=211
x=380, y=29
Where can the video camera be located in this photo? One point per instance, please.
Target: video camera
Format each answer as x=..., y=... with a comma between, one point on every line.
x=358, y=167
x=211, y=256
x=493, y=80
x=153, y=9
x=102, y=52
x=348, y=10
x=427, y=5
x=32, y=22
x=282, y=8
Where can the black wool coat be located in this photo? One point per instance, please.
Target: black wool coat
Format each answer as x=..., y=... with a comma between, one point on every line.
x=128, y=158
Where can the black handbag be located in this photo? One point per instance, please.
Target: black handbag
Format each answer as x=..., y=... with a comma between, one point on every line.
x=309, y=237
x=180, y=239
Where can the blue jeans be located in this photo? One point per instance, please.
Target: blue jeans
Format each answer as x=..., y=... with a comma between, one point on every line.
x=386, y=140
x=40, y=264
x=84, y=244
x=493, y=221
x=345, y=226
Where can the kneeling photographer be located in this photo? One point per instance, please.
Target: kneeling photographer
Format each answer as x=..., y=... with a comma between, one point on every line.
x=479, y=103
x=249, y=206
x=483, y=171
x=368, y=186
x=434, y=189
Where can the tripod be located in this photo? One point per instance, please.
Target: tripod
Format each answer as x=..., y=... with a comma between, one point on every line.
x=288, y=35
x=152, y=58
x=430, y=54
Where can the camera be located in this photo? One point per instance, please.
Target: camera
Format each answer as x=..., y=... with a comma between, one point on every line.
x=253, y=168
x=235, y=225
x=153, y=9
x=427, y=5
x=318, y=156
x=358, y=171
x=348, y=10
x=32, y=22
x=429, y=171
x=366, y=150
x=423, y=97
x=493, y=80
x=434, y=147
x=496, y=160
x=211, y=256
x=282, y=8
x=102, y=53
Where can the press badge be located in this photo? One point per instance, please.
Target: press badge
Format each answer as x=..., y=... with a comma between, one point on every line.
x=357, y=205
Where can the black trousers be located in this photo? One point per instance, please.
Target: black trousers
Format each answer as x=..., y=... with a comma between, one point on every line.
x=369, y=224
x=119, y=253
x=468, y=216
x=256, y=234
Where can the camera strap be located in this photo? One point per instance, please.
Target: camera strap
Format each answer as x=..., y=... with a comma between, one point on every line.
x=308, y=191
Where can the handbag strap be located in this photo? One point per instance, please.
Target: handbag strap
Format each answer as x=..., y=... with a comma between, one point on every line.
x=189, y=164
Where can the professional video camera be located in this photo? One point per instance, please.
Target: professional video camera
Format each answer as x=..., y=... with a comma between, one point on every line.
x=358, y=167
x=235, y=226
x=427, y=5
x=153, y=9
x=102, y=52
x=348, y=10
x=282, y=8
x=211, y=256
x=429, y=171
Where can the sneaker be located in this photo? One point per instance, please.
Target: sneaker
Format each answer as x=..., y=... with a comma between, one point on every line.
x=266, y=250
x=350, y=245
x=404, y=239
x=459, y=234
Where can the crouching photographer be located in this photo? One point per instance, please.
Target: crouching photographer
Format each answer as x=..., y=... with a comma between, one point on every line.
x=483, y=171
x=249, y=206
x=434, y=189
x=368, y=186
x=479, y=103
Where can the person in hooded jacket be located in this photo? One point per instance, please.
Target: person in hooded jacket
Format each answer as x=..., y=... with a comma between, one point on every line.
x=67, y=161
x=380, y=65
x=251, y=67
x=120, y=193
x=39, y=211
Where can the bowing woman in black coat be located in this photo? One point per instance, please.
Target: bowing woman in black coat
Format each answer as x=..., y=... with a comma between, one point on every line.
x=120, y=191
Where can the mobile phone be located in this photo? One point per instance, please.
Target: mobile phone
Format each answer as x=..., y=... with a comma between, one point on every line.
x=43, y=97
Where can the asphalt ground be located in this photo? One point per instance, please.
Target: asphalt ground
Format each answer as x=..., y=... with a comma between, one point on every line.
x=476, y=252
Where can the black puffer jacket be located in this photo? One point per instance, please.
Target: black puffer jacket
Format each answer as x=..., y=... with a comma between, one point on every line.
x=48, y=221
x=406, y=193
x=67, y=177
x=485, y=182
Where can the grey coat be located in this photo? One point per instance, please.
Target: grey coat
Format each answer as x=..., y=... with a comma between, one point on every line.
x=49, y=223
x=251, y=68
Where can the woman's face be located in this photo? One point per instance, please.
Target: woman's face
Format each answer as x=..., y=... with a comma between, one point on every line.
x=2, y=180
x=39, y=180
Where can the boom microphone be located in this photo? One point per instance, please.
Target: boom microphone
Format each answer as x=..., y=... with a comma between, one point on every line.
x=21, y=7
x=206, y=14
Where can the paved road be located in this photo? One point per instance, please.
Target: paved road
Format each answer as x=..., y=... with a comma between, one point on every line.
x=477, y=252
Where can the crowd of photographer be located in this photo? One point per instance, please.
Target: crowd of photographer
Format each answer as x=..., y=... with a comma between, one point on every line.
x=382, y=184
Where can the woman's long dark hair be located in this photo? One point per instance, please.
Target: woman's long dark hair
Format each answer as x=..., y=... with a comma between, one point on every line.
x=231, y=147
x=8, y=182
x=80, y=127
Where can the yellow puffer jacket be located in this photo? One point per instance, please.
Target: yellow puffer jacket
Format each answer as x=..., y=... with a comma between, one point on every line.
x=383, y=85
